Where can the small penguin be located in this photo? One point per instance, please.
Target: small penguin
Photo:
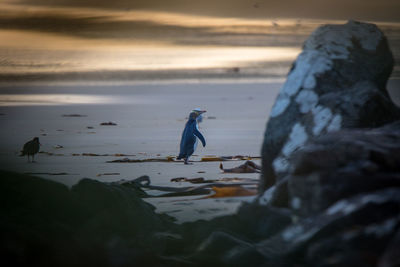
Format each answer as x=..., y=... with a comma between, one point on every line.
x=189, y=140
x=31, y=148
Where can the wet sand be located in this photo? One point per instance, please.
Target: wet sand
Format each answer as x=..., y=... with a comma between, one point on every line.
x=150, y=118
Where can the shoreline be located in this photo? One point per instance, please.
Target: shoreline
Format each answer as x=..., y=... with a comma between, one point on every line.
x=150, y=118
x=140, y=81
x=133, y=82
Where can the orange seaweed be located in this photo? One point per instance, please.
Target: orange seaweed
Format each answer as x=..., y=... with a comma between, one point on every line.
x=232, y=191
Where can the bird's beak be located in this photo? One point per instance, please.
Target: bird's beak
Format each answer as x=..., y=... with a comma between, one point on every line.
x=202, y=111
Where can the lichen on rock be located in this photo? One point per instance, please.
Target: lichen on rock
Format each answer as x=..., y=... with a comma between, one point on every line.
x=337, y=82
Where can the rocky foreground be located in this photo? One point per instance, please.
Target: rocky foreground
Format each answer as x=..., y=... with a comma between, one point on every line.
x=330, y=194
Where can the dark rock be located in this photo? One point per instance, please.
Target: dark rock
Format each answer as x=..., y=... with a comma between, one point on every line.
x=45, y=224
x=361, y=237
x=390, y=257
x=276, y=196
x=244, y=256
x=224, y=249
x=338, y=81
x=218, y=243
x=116, y=209
x=252, y=222
x=280, y=196
x=342, y=164
x=262, y=221
x=352, y=231
x=37, y=220
x=229, y=240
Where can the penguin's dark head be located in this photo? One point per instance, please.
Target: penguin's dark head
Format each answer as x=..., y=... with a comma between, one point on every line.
x=195, y=113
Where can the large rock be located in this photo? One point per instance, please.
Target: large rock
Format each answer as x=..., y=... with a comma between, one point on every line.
x=390, y=257
x=342, y=164
x=44, y=223
x=353, y=231
x=338, y=81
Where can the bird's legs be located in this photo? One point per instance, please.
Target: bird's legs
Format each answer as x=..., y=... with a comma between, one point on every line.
x=187, y=161
x=33, y=158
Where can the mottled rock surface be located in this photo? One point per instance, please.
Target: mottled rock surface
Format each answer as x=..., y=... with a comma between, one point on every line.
x=337, y=82
x=353, y=231
x=343, y=193
x=331, y=154
x=390, y=257
x=342, y=164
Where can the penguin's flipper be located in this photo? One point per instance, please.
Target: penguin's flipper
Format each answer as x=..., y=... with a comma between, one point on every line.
x=200, y=136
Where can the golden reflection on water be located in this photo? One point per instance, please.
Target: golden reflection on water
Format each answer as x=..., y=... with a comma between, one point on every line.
x=55, y=40
x=52, y=99
x=51, y=53
x=143, y=46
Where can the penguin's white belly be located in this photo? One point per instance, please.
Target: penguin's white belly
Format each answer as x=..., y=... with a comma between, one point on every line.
x=195, y=144
x=197, y=140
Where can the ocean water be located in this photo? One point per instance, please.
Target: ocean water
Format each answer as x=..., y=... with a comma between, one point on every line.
x=70, y=44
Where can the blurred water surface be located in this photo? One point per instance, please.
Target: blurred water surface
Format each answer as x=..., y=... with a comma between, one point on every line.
x=53, y=43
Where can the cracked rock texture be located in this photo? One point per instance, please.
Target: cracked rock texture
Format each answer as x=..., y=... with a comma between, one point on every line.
x=342, y=164
x=337, y=82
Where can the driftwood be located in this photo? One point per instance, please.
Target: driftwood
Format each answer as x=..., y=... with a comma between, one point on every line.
x=247, y=167
x=48, y=173
x=173, y=159
x=144, y=182
x=227, y=158
x=108, y=173
x=127, y=160
x=74, y=115
x=201, y=180
x=110, y=123
x=87, y=154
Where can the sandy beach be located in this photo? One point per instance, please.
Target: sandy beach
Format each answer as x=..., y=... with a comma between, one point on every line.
x=150, y=118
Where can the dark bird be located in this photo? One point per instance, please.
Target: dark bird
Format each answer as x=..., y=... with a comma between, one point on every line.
x=31, y=148
x=190, y=135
